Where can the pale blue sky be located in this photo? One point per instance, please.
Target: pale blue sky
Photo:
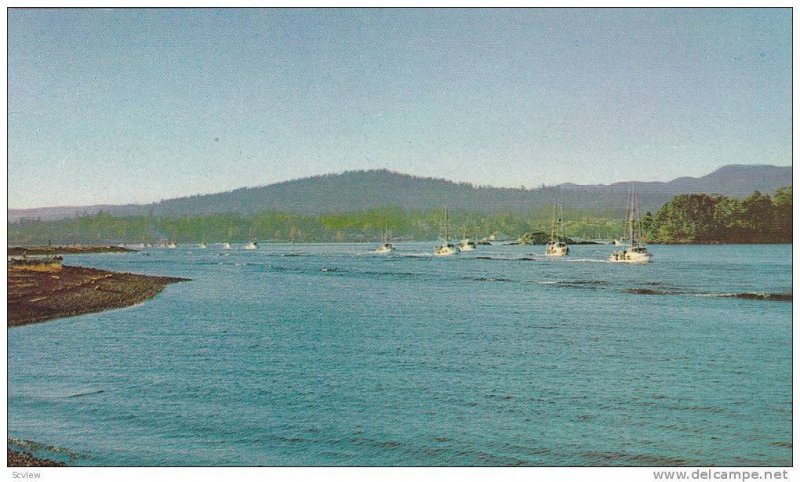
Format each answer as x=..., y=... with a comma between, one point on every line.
x=117, y=106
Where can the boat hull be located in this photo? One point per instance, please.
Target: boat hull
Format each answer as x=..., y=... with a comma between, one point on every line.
x=556, y=250
x=630, y=257
x=445, y=251
x=385, y=249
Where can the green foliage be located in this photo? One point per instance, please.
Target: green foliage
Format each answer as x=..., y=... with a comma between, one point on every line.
x=701, y=218
x=687, y=218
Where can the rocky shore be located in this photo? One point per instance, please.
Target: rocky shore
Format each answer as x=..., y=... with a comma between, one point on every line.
x=39, y=296
x=24, y=459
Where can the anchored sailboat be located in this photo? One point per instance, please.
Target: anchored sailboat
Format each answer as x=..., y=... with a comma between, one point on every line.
x=447, y=248
x=386, y=247
x=466, y=243
x=557, y=246
x=252, y=243
x=633, y=250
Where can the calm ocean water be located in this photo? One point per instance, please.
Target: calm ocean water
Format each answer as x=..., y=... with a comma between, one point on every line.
x=327, y=355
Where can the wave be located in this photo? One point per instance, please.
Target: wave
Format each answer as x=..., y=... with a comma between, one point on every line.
x=83, y=394
x=629, y=459
x=488, y=279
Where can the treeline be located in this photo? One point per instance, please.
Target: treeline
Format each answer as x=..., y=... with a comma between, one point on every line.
x=368, y=225
x=703, y=218
x=687, y=218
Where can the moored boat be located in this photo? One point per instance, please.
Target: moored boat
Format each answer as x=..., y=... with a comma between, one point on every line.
x=634, y=251
x=557, y=246
x=447, y=248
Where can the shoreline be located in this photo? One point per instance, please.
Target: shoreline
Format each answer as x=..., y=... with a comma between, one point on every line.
x=53, y=250
x=34, y=297
x=26, y=459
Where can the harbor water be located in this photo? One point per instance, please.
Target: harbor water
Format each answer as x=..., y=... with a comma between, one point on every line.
x=326, y=354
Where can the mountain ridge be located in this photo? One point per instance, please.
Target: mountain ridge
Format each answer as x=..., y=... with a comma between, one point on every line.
x=369, y=189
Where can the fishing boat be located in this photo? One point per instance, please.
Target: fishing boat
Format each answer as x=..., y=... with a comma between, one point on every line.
x=226, y=245
x=466, y=243
x=447, y=248
x=202, y=245
x=252, y=243
x=557, y=246
x=634, y=251
x=171, y=245
x=386, y=247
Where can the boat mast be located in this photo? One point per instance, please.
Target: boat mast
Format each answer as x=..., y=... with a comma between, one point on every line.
x=632, y=215
x=446, y=234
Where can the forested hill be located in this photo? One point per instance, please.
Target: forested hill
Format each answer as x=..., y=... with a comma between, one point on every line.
x=362, y=190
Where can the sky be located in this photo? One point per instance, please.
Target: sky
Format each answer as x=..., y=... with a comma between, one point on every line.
x=113, y=106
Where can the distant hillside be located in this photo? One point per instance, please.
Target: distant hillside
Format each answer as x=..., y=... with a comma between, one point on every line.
x=361, y=190
x=733, y=180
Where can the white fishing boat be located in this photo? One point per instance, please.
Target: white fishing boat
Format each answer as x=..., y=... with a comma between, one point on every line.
x=202, y=246
x=386, y=247
x=557, y=246
x=447, y=248
x=171, y=245
x=634, y=251
x=226, y=245
x=466, y=243
x=251, y=245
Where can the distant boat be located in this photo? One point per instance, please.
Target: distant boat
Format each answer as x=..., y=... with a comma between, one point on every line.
x=171, y=245
x=202, y=246
x=226, y=245
x=447, y=248
x=466, y=243
x=387, y=247
x=634, y=251
x=557, y=246
x=251, y=245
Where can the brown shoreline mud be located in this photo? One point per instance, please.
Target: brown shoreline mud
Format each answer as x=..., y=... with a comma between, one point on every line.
x=53, y=250
x=34, y=296
x=25, y=459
